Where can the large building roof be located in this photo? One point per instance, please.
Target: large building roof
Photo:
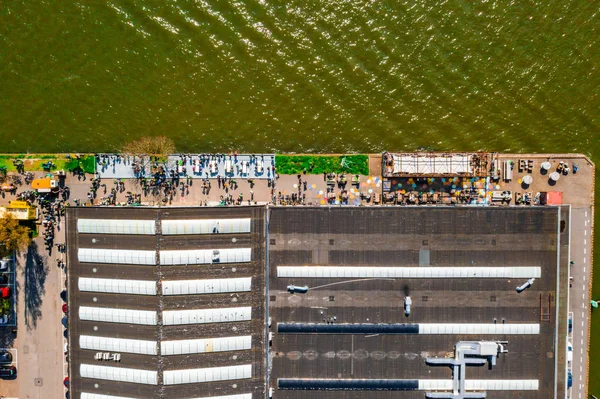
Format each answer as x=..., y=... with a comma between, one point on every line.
x=177, y=302
x=166, y=303
x=349, y=335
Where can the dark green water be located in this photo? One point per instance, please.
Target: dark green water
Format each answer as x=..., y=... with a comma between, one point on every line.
x=302, y=76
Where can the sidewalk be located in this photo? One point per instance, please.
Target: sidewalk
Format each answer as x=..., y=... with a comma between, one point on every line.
x=196, y=166
x=39, y=342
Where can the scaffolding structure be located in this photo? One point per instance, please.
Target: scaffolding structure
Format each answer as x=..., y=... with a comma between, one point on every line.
x=435, y=164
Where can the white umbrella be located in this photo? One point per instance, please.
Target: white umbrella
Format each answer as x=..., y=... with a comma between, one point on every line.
x=555, y=176
x=546, y=165
x=527, y=179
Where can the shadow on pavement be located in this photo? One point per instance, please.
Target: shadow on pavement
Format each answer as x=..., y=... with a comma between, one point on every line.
x=8, y=333
x=7, y=336
x=35, y=273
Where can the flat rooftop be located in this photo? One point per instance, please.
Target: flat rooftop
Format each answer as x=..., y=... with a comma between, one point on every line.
x=361, y=263
x=172, y=302
x=146, y=284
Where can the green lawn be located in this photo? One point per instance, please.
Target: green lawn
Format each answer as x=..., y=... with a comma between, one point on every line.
x=33, y=162
x=318, y=164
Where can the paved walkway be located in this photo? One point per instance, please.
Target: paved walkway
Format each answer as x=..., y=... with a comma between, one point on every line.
x=38, y=346
x=579, y=300
x=196, y=166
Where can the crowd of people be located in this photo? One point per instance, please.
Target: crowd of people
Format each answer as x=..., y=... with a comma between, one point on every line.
x=164, y=185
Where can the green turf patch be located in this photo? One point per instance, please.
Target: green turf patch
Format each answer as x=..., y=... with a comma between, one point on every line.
x=317, y=164
x=87, y=163
x=34, y=162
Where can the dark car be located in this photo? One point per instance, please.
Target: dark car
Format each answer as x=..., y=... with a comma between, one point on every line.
x=8, y=371
x=4, y=279
x=5, y=357
x=63, y=295
x=570, y=324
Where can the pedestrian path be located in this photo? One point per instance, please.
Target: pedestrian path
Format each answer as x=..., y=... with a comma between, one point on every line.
x=195, y=166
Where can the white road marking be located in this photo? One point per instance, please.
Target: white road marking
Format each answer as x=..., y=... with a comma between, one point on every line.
x=583, y=295
x=582, y=323
x=582, y=341
x=584, y=251
x=584, y=278
x=585, y=213
x=584, y=266
x=585, y=232
x=585, y=242
x=582, y=315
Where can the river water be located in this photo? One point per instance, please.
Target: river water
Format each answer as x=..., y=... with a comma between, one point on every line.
x=301, y=76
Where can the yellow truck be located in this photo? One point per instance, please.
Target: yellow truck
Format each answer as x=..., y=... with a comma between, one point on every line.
x=45, y=185
x=21, y=210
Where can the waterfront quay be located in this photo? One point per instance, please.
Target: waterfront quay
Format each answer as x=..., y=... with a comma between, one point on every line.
x=412, y=212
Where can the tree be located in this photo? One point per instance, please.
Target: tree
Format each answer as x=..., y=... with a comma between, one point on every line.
x=5, y=306
x=13, y=236
x=160, y=146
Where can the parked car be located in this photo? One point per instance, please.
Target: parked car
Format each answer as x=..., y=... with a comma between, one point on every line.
x=4, y=264
x=5, y=357
x=569, y=379
x=570, y=322
x=4, y=279
x=8, y=371
x=569, y=352
x=63, y=295
x=3, y=319
x=5, y=292
x=65, y=308
x=66, y=382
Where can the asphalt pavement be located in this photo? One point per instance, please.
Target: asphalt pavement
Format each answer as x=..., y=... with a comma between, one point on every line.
x=579, y=300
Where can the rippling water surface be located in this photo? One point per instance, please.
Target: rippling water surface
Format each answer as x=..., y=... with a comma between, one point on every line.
x=335, y=76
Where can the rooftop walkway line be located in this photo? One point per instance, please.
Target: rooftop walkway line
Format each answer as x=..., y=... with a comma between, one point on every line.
x=340, y=384
x=408, y=328
x=409, y=272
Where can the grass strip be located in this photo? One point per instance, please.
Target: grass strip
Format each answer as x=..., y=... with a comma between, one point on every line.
x=317, y=164
x=34, y=162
